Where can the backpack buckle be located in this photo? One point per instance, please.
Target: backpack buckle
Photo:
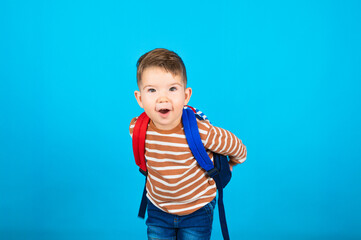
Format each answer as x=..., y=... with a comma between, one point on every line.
x=213, y=172
x=145, y=173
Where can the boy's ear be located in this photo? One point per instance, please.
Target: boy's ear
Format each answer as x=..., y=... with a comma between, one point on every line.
x=188, y=94
x=139, y=98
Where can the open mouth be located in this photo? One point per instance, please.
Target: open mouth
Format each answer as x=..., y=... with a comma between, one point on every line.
x=164, y=111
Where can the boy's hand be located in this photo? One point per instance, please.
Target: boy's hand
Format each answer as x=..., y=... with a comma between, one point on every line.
x=231, y=164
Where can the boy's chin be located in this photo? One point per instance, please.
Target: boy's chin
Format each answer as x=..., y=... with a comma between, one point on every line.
x=166, y=124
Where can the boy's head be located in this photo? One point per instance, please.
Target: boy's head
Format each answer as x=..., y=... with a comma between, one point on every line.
x=162, y=58
x=161, y=78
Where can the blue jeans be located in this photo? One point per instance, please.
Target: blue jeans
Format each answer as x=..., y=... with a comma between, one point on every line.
x=166, y=226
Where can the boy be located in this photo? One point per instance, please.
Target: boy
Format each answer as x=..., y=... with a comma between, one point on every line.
x=181, y=196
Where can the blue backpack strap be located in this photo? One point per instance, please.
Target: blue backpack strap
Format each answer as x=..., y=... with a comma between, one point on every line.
x=195, y=144
x=222, y=180
x=144, y=202
x=194, y=140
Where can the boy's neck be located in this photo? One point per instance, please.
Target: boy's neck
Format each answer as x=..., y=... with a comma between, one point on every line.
x=170, y=130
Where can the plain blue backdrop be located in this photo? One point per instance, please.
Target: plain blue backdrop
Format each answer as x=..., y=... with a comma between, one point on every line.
x=284, y=76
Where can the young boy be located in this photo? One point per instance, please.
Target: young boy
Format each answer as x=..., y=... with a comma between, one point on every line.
x=181, y=196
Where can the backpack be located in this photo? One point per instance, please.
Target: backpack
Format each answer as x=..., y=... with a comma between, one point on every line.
x=220, y=171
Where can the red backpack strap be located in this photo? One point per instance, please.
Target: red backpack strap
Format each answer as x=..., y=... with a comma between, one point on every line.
x=139, y=132
x=193, y=109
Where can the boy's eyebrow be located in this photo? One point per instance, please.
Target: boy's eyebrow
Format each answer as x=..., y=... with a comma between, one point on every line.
x=175, y=83
x=147, y=86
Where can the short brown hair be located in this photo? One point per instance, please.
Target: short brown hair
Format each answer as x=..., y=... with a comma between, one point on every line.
x=166, y=59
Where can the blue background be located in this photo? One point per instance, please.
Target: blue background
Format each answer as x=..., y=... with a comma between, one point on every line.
x=284, y=76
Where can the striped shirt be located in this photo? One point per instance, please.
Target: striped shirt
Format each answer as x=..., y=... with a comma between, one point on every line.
x=176, y=183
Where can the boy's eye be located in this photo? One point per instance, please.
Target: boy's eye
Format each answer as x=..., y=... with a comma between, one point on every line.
x=151, y=90
x=172, y=89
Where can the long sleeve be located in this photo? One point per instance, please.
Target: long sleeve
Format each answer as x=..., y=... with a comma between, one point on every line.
x=131, y=126
x=176, y=183
x=226, y=143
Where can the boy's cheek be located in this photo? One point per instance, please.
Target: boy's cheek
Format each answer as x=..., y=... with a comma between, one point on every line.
x=147, y=106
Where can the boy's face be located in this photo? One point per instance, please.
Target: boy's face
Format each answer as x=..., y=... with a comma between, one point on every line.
x=163, y=97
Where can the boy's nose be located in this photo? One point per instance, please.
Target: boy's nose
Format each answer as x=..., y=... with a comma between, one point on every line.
x=162, y=99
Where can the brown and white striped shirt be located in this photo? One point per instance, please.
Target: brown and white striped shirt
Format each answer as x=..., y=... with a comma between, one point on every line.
x=176, y=183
